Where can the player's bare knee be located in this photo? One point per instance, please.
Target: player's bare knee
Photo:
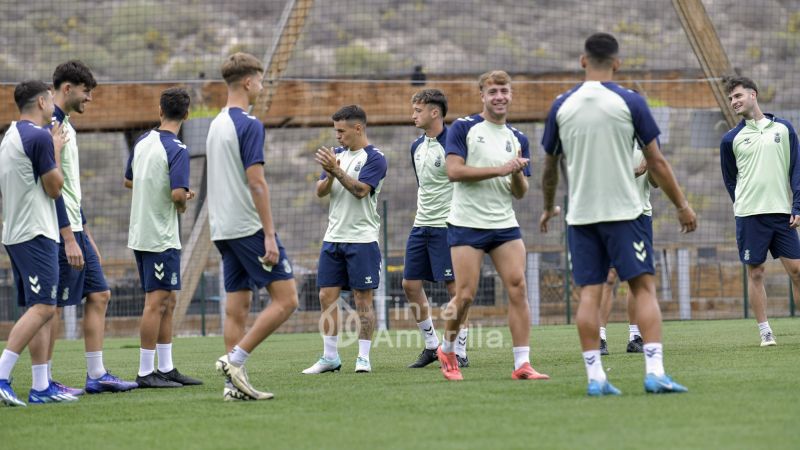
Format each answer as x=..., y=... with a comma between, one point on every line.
x=756, y=274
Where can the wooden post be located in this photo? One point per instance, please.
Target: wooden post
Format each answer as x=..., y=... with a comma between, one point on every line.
x=708, y=49
x=277, y=58
x=193, y=261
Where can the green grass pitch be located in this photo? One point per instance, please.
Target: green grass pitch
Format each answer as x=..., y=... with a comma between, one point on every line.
x=740, y=396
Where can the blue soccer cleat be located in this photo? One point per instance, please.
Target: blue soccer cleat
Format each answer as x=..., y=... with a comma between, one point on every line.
x=108, y=383
x=600, y=388
x=64, y=389
x=50, y=395
x=7, y=395
x=662, y=385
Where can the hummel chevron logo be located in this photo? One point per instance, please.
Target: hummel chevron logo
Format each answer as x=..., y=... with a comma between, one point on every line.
x=590, y=360
x=651, y=352
x=158, y=267
x=641, y=252
x=159, y=275
x=462, y=341
x=36, y=288
x=34, y=279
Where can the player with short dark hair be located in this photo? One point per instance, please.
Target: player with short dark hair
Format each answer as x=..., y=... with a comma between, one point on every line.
x=30, y=180
x=242, y=227
x=350, y=257
x=594, y=125
x=158, y=173
x=427, y=253
x=81, y=274
x=761, y=171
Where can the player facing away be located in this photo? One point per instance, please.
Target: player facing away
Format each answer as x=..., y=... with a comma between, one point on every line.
x=158, y=173
x=81, y=275
x=350, y=257
x=605, y=223
x=488, y=161
x=427, y=252
x=643, y=184
x=30, y=180
x=240, y=216
x=761, y=171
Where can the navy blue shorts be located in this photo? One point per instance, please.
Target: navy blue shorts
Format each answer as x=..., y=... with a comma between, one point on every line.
x=626, y=245
x=159, y=271
x=349, y=265
x=757, y=234
x=242, y=266
x=35, y=266
x=480, y=238
x=428, y=255
x=74, y=285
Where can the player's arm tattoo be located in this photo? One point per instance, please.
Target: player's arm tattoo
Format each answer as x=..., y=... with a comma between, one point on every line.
x=550, y=181
x=353, y=186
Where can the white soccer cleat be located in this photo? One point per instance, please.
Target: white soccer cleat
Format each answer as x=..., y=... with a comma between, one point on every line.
x=768, y=339
x=231, y=394
x=325, y=365
x=239, y=379
x=362, y=365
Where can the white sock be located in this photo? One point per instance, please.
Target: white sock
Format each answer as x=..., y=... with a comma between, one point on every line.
x=164, y=357
x=237, y=356
x=147, y=360
x=522, y=355
x=331, y=344
x=363, y=348
x=428, y=333
x=7, y=361
x=94, y=364
x=633, y=331
x=594, y=367
x=448, y=346
x=654, y=359
x=763, y=328
x=40, y=379
x=50, y=369
x=603, y=333
x=461, y=342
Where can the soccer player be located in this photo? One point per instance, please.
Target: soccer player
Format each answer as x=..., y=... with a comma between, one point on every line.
x=427, y=252
x=158, y=173
x=594, y=125
x=488, y=161
x=350, y=257
x=79, y=259
x=242, y=228
x=761, y=171
x=30, y=180
x=643, y=184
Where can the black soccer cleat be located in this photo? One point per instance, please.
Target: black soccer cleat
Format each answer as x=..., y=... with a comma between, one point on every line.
x=155, y=380
x=174, y=375
x=426, y=357
x=463, y=362
x=636, y=345
x=603, y=347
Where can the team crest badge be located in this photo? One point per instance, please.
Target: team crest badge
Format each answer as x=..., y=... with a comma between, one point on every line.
x=777, y=138
x=174, y=279
x=508, y=146
x=358, y=166
x=287, y=267
x=438, y=161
